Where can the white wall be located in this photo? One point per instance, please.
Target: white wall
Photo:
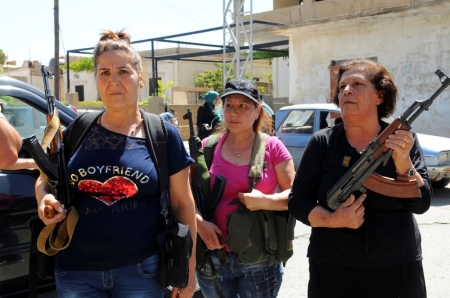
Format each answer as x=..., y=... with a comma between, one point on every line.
x=84, y=79
x=411, y=44
x=280, y=75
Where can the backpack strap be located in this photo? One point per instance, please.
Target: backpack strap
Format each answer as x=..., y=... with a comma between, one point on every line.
x=257, y=164
x=156, y=138
x=80, y=126
x=208, y=150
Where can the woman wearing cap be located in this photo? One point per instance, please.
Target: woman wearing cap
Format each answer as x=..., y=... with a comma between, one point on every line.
x=243, y=119
x=208, y=115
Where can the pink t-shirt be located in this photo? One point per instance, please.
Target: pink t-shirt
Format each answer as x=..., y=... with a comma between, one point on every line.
x=237, y=177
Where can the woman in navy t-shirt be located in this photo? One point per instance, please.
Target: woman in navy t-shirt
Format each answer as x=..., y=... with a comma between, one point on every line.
x=115, y=188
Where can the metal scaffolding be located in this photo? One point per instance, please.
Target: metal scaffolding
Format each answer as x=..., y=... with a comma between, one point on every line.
x=238, y=35
x=241, y=34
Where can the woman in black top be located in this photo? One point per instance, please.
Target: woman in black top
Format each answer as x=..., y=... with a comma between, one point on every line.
x=370, y=246
x=208, y=115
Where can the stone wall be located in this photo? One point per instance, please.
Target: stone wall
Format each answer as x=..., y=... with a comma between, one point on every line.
x=412, y=52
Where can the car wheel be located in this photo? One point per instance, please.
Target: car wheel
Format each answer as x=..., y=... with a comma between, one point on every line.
x=441, y=183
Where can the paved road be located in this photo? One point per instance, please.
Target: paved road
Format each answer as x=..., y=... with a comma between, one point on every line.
x=434, y=226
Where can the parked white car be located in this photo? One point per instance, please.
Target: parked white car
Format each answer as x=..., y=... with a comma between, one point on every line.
x=295, y=124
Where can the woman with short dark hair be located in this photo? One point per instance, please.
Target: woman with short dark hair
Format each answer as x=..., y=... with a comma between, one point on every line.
x=370, y=245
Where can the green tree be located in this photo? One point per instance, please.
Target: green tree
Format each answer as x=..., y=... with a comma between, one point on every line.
x=84, y=64
x=214, y=78
x=282, y=53
x=163, y=91
x=2, y=57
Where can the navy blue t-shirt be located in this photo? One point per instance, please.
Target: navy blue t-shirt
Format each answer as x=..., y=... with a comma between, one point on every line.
x=115, y=190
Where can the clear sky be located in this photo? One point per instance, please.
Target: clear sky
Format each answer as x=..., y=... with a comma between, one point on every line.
x=27, y=26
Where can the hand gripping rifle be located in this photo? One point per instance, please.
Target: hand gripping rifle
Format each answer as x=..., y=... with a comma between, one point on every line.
x=361, y=177
x=49, y=155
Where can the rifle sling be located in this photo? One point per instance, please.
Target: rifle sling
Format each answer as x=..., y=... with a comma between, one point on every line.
x=50, y=131
x=392, y=188
x=48, y=244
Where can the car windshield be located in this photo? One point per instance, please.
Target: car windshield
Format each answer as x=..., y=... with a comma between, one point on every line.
x=299, y=121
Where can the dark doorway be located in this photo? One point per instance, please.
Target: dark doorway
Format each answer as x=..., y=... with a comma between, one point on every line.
x=80, y=90
x=153, y=86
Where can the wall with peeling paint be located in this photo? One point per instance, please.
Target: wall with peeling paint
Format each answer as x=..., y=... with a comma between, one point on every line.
x=411, y=43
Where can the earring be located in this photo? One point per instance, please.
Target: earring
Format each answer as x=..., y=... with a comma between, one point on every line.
x=141, y=84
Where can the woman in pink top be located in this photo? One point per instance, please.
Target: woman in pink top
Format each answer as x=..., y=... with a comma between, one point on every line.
x=243, y=118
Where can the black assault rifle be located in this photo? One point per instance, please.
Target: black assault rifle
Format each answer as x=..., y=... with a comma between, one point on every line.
x=49, y=156
x=205, y=200
x=361, y=177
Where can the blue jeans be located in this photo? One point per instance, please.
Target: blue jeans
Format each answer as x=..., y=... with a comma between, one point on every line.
x=242, y=280
x=137, y=280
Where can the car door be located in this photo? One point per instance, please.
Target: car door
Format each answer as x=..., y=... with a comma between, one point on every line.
x=25, y=108
x=17, y=200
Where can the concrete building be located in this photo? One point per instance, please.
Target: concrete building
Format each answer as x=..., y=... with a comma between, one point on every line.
x=410, y=37
x=30, y=72
x=181, y=73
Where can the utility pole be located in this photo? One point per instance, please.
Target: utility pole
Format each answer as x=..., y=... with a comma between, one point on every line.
x=56, y=59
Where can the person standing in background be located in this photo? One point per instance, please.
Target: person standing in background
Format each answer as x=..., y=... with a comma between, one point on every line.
x=266, y=107
x=208, y=115
x=168, y=116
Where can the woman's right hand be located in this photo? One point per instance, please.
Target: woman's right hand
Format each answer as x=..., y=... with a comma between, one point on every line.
x=50, y=200
x=350, y=214
x=210, y=234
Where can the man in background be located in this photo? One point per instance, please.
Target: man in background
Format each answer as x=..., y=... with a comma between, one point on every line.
x=168, y=116
x=10, y=143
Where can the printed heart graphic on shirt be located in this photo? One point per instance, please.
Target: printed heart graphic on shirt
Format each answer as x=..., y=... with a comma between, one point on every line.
x=111, y=191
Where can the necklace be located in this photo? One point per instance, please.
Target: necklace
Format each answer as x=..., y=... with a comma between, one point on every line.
x=99, y=121
x=238, y=153
x=136, y=127
x=360, y=152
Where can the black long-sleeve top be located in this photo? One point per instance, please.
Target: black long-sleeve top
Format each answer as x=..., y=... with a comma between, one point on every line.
x=389, y=235
x=205, y=116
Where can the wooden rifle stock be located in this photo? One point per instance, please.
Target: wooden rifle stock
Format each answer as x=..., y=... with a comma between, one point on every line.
x=393, y=188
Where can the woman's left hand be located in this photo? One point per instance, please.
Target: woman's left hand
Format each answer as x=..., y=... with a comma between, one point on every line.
x=402, y=142
x=252, y=200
